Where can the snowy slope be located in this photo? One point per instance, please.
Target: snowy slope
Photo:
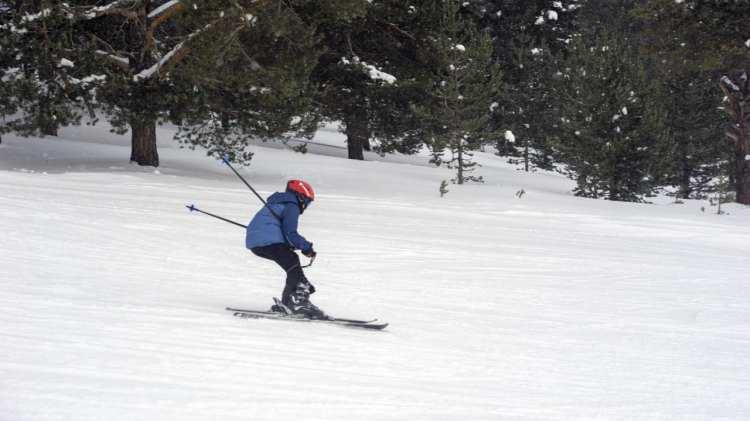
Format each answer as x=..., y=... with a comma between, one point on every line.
x=547, y=307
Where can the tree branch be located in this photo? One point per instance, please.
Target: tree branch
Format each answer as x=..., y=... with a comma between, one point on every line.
x=163, y=13
x=173, y=57
x=122, y=62
x=125, y=8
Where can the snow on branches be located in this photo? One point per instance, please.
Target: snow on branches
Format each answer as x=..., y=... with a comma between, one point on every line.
x=372, y=71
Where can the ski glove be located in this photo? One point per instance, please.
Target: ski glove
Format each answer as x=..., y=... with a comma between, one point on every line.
x=310, y=253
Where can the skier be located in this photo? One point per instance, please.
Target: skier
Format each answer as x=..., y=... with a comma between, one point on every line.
x=272, y=234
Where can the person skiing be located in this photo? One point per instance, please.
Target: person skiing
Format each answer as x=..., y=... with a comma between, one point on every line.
x=272, y=234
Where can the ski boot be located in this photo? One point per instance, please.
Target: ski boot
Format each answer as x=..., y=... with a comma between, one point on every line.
x=299, y=302
x=280, y=307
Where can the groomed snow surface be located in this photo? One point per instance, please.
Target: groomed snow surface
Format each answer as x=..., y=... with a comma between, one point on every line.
x=544, y=307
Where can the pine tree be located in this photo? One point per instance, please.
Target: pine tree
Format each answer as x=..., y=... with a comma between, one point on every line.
x=530, y=39
x=709, y=38
x=463, y=84
x=607, y=134
x=689, y=155
x=737, y=91
x=142, y=47
x=268, y=95
x=371, y=73
x=147, y=62
x=40, y=86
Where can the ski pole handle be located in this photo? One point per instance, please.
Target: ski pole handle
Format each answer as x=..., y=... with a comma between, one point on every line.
x=312, y=260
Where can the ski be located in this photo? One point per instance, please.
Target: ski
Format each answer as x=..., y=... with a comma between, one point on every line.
x=258, y=314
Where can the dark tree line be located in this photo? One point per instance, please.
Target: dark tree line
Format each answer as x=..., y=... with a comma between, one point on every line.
x=626, y=97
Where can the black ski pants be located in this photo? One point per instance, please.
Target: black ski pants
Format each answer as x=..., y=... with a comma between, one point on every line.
x=285, y=257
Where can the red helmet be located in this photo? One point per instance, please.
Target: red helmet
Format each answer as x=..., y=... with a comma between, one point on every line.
x=302, y=188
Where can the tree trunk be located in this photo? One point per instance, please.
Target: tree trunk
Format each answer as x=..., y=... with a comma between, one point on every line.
x=357, y=134
x=526, y=155
x=460, y=177
x=737, y=92
x=614, y=182
x=47, y=123
x=743, y=172
x=45, y=120
x=686, y=174
x=143, y=135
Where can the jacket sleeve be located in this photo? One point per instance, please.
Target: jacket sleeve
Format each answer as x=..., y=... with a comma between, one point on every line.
x=289, y=221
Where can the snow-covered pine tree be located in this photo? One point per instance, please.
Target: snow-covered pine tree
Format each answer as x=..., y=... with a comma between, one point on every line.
x=530, y=39
x=133, y=53
x=464, y=81
x=41, y=88
x=141, y=46
x=267, y=94
x=607, y=133
x=368, y=76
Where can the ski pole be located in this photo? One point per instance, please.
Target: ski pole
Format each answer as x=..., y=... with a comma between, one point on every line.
x=194, y=209
x=312, y=260
x=226, y=161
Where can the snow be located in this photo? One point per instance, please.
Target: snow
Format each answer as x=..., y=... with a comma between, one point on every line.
x=728, y=82
x=66, y=63
x=552, y=15
x=123, y=60
x=544, y=307
x=509, y=136
x=154, y=68
x=31, y=17
x=89, y=79
x=97, y=11
x=14, y=29
x=11, y=73
x=372, y=71
x=377, y=74
x=159, y=10
x=158, y=65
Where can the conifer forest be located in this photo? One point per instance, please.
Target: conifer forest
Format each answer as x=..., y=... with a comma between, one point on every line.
x=628, y=98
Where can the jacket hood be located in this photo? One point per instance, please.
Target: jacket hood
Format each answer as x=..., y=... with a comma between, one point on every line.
x=284, y=197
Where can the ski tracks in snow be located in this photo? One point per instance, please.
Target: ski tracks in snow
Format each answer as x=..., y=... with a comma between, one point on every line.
x=112, y=307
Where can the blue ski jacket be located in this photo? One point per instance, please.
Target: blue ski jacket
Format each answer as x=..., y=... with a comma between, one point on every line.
x=266, y=229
